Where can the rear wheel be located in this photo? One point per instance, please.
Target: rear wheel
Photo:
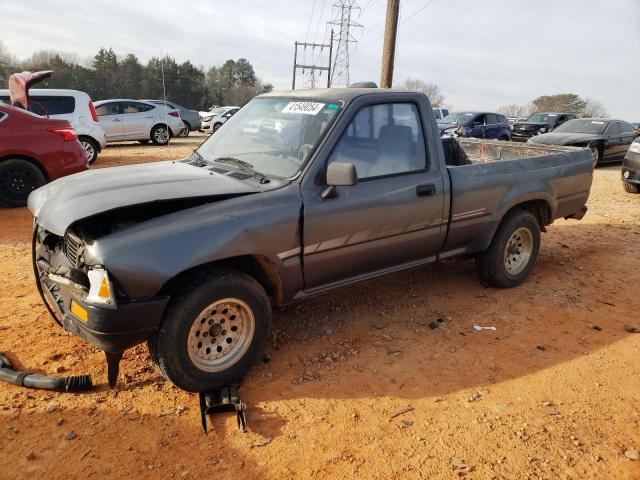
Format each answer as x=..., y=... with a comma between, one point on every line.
x=213, y=331
x=513, y=252
x=18, y=178
x=90, y=147
x=160, y=135
x=185, y=132
x=631, y=187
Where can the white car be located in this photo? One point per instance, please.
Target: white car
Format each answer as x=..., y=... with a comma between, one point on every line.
x=73, y=106
x=215, y=119
x=123, y=119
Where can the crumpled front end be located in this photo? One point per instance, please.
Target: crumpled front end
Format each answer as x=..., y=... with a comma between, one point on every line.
x=69, y=290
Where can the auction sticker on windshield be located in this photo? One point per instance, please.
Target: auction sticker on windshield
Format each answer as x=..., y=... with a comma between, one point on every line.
x=307, y=108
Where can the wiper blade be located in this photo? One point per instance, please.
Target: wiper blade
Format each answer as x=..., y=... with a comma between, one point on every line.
x=243, y=166
x=196, y=160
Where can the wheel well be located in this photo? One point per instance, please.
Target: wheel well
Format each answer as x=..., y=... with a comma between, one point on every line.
x=30, y=160
x=258, y=267
x=539, y=208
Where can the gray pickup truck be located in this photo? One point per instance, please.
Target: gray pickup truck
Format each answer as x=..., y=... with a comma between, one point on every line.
x=299, y=193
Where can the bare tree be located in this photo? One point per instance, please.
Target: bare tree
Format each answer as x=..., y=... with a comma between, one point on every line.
x=430, y=89
x=517, y=111
x=593, y=108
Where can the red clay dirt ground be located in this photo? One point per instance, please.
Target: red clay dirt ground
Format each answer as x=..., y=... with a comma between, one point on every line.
x=552, y=393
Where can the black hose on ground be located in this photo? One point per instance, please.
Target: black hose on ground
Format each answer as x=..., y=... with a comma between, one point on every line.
x=80, y=383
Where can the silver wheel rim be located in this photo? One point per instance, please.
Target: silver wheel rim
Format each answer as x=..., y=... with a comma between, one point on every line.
x=88, y=149
x=221, y=334
x=518, y=251
x=161, y=135
x=185, y=131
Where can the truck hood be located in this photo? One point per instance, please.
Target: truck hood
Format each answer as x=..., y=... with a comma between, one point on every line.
x=560, y=138
x=65, y=201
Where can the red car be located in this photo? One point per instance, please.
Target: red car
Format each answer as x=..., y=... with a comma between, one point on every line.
x=33, y=151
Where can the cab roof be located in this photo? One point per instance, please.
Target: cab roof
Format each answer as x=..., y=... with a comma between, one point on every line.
x=345, y=94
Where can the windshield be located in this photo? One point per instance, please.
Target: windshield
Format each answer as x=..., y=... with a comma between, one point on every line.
x=273, y=136
x=582, y=126
x=543, y=117
x=459, y=118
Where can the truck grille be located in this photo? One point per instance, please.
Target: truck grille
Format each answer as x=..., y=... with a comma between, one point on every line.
x=72, y=247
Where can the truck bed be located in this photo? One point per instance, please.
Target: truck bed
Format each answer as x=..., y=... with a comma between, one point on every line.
x=487, y=175
x=468, y=151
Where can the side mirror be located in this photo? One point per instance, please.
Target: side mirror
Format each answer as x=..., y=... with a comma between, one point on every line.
x=339, y=174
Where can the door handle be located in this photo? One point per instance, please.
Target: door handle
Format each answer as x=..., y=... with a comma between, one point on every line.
x=426, y=190
x=117, y=120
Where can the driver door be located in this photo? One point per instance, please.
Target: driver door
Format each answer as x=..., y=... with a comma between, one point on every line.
x=392, y=218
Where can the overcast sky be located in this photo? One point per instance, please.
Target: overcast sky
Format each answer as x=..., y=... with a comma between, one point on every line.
x=482, y=53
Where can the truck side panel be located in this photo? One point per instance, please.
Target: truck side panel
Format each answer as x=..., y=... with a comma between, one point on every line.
x=483, y=193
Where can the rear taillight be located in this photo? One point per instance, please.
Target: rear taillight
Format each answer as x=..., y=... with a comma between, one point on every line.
x=174, y=114
x=92, y=109
x=68, y=133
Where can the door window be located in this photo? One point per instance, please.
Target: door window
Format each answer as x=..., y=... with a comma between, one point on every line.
x=480, y=119
x=384, y=139
x=136, y=107
x=112, y=108
x=626, y=127
x=613, y=129
x=492, y=118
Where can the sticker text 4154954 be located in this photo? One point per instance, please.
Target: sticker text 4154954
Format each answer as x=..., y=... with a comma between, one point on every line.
x=306, y=108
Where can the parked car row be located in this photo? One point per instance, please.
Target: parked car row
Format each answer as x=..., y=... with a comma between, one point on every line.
x=112, y=120
x=476, y=124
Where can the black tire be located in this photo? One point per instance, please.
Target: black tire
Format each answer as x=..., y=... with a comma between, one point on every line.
x=492, y=263
x=597, y=153
x=160, y=134
x=143, y=142
x=90, y=147
x=18, y=178
x=189, y=299
x=216, y=126
x=186, y=131
x=631, y=187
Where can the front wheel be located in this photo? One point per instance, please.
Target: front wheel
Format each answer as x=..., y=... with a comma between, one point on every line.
x=513, y=252
x=216, y=126
x=213, y=331
x=597, y=154
x=160, y=135
x=631, y=187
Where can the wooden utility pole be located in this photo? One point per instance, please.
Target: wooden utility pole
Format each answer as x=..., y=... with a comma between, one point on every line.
x=389, y=47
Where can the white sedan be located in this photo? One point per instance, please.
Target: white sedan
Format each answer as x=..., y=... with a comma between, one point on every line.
x=123, y=119
x=214, y=121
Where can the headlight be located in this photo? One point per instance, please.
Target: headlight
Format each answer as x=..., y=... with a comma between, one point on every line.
x=626, y=174
x=207, y=119
x=542, y=130
x=635, y=147
x=100, y=287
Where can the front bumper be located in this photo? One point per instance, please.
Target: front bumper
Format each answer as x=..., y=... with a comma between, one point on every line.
x=631, y=168
x=110, y=328
x=520, y=136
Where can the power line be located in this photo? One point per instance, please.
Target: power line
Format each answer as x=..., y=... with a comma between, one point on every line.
x=403, y=22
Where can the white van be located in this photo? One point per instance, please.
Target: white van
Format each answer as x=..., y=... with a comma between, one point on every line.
x=72, y=105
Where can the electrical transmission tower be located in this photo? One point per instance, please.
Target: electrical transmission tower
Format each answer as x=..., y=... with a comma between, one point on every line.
x=343, y=22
